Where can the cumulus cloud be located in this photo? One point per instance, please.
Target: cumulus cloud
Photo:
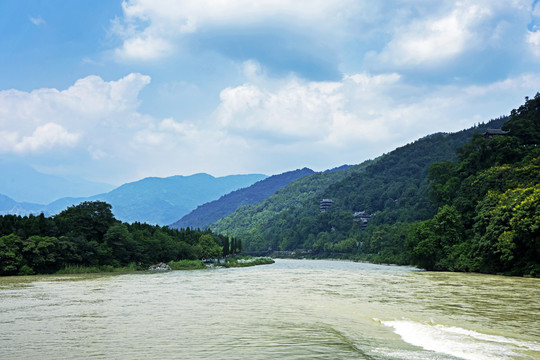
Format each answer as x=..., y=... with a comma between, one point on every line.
x=361, y=114
x=46, y=137
x=436, y=35
x=337, y=113
x=150, y=28
x=48, y=118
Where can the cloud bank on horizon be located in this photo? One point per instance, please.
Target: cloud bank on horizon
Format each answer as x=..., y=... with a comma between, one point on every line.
x=119, y=91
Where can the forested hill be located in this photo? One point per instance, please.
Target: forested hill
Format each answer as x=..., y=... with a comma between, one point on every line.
x=250, y=219
x=394, y=187
x=212, y=211
x=467, y=201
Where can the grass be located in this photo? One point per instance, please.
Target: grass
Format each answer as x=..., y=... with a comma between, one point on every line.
x=80, y=269
x=245, y=261
x=186, y=265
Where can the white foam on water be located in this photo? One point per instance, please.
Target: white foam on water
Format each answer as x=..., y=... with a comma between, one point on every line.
x=462, y=343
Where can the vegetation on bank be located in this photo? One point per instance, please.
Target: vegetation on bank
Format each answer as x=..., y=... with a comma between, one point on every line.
x=458, y=202
x=186, y=265
x=245, y=261
x=87, y=238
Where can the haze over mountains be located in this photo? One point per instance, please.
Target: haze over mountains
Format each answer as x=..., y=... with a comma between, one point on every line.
x=230, y=204
x=152, y=200
x=212, y=211
x=22, y=183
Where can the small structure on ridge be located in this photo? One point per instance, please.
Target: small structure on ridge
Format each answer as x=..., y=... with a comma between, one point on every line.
x=325, y=204
x=362, y=217
x=490, y=133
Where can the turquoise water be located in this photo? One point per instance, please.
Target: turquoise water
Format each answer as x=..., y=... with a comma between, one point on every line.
x=293, y=309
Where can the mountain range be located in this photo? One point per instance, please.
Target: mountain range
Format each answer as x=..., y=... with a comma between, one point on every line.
x=212, y=211
x=394, y=186
x=153, y=200
x=23, y=183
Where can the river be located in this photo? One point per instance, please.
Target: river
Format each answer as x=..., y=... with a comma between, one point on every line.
x=293, y=309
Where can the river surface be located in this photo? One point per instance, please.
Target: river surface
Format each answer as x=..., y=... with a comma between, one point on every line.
x=293, y=309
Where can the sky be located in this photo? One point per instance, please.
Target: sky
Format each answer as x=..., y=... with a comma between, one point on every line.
x=115, y=91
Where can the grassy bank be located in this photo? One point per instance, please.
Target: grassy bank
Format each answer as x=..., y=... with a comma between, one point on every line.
x=238, y=261
x=186, y=265
x=79, y=269
x=245, y=261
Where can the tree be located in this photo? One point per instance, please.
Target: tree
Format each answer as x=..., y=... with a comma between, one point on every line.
x=11, y=258
x=225, y=247
x=121, y=243
x=89, y=219
x=210, y=249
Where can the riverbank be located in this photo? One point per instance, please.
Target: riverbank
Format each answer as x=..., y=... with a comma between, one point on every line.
x=230, y=262
x=245, y=261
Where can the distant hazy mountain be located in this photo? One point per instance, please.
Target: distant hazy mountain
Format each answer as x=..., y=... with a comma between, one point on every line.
x=212, y=211
x=152, y=200
x=24, y=184
x=164, y=200
x=10, y=206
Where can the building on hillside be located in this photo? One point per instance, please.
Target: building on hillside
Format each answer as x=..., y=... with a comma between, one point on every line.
x=490, y=133
x=362, y=217
x=326, y=204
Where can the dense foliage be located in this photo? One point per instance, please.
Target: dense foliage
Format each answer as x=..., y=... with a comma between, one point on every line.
x=460, y=202
x=212, y=211
x=395, y=187
x=248, y=221
x=489, y=216
x=88, y=235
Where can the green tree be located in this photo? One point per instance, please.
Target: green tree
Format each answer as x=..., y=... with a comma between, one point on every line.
x=88, y=219
x=225, y=247
x=210, y=249
x=11, y=258
x=121, y=243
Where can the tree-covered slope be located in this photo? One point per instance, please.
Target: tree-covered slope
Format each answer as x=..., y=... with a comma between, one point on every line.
x=248, y=220
x=489, y=203
x=395, y=188
x=212, y=211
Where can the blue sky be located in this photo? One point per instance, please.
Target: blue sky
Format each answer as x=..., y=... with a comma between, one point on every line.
x=116, y=91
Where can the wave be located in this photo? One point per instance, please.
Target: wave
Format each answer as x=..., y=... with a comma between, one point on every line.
x=462, y=343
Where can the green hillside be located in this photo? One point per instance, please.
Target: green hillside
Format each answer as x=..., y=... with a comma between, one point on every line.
x=462, y=201
x=212, y=211
x=248, y=222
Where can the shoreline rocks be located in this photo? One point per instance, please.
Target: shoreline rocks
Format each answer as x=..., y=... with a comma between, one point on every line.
x=159, y=267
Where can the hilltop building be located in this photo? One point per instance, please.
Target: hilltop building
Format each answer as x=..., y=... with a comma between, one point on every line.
x=362, y=217
x=490, y=133
x=326, y=204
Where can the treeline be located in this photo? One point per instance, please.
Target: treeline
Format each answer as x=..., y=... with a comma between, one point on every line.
x=489, y=203
x=459, y=202
x=88, y=235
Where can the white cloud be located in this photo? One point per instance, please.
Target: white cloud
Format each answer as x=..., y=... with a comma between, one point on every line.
x=144, y=48
x=45, y=137
x=533, y=39
x=37, y=20
x=150, y=28
x=362, y=115
x=431, y=40
x=44, y=119
x=436, y=35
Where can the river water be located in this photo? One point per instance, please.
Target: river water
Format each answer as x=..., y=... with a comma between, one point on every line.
x=293, y=309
